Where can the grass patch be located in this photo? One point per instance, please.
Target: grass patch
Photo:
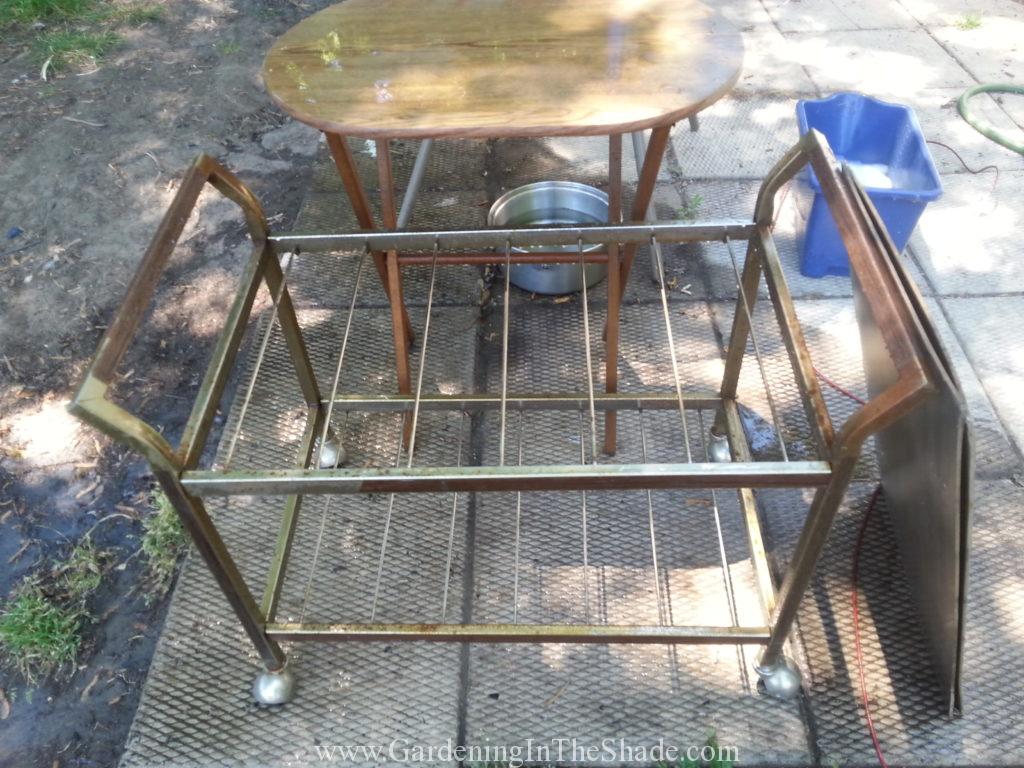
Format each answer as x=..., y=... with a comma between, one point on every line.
x=82, y=573
x=76, y=32
x=74, y=48
x=229, y=48
x=691, y=209
x=163, y=543
x=41, y=623
x=37, y=634
x=969, y=21
x=29, y=11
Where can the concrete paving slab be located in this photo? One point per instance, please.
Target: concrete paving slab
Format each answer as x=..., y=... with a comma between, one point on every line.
x=989, y=329
x=951, y=13
x=968, y=241
x=740, y=137
x=901, y=62
x=992, y=53
x=744, y=14
x=770, y=65
x=1014, y=107
x=907, y=708
x=835, y=16
x=734, y=199
x=940, y=121
x=995, y=456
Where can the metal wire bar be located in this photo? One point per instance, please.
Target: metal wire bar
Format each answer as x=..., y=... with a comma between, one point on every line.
x=504, y=350
x=264, y=342
x=672, y=347
x=757, y=350
x=730, y=594
x=583, y=505
x=423, y=359
x=650, y=524
x=384, y=539
x=319, y=544
x=590, y=364
x=341, y=359
x=726, y=571
x=519, y=517
x=451, y=527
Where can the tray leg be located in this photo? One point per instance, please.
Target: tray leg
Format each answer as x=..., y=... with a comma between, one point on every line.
x=780, y=675
x=611, y=365
x=212, y=549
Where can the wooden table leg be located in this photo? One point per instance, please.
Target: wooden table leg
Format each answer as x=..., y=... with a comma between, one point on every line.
x=346, y=166
x=394, y=284
x=644, y=190
x=611, y=363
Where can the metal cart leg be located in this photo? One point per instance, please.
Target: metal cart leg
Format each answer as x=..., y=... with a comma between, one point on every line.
x=276, y=684
x=750, y=281
x=780, y=674
x=611, y=366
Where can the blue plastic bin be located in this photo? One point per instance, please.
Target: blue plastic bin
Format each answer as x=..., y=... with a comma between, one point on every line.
x=884, y=144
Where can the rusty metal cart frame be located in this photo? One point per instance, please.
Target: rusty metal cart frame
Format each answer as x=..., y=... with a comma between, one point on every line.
x=728, y=462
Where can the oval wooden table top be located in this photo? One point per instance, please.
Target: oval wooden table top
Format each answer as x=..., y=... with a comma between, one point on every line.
x=494, y=68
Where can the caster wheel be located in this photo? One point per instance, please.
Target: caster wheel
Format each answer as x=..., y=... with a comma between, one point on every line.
x=781, y=679
x=718, y=447
x=274, y=688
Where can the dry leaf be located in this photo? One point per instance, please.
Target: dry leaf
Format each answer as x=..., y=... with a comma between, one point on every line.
x=85, y=691
x=5, y=705
x=563, y=299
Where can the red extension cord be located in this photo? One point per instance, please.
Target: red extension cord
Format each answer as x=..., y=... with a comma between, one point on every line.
x=854, y=595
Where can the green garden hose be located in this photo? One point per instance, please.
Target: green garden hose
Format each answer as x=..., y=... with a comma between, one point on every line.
x=984, y=128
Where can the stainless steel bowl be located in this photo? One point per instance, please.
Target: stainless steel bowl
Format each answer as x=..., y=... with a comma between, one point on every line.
x=552, y=203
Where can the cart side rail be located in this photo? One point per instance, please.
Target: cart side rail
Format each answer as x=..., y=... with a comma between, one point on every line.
x=90, y=402
x=877, y=286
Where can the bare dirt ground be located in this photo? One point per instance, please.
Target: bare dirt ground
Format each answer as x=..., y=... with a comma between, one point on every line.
x=88, y=163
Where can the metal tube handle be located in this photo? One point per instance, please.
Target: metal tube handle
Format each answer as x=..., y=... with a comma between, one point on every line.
x=205, y=170
x=90, y=401
x=871, y=255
